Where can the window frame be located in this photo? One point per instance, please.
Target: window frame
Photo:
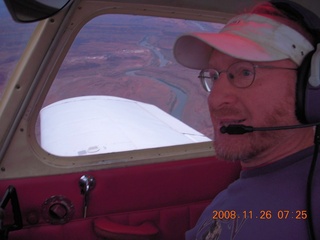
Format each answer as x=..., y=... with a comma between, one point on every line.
x=63, y=28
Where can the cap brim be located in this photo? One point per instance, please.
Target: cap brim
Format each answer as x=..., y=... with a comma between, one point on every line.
x=194, y=50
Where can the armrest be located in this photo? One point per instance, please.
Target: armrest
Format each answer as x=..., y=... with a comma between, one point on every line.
x=108, y=229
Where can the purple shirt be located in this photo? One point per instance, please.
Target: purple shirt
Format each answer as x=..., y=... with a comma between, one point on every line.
x=264, y=203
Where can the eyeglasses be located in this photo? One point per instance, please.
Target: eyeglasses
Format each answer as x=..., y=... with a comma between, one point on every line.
x=239, y=74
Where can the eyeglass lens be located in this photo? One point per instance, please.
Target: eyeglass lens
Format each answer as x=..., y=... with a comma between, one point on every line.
x=239, y=74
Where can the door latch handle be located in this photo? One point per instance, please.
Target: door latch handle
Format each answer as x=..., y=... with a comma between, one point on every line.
x=86, y=184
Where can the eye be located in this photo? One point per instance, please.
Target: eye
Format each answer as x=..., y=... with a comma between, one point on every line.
x=241, y=74
x=246, y=73
x=241, y=70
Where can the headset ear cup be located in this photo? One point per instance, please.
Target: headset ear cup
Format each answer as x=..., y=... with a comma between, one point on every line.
x=301, y=88
x=308, y=89
x=312, y=93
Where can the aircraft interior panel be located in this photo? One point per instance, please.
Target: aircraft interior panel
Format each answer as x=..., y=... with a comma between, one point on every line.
x=103, y=134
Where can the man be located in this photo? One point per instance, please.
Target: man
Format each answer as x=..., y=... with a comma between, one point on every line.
x=251, y=70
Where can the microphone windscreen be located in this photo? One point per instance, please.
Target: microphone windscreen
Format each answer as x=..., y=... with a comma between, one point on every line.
x=236, y=129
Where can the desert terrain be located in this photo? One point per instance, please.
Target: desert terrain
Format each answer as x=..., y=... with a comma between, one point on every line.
x=123, y=56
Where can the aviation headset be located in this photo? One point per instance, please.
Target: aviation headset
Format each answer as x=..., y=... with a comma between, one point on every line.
x=307, y=88
x=308, y=81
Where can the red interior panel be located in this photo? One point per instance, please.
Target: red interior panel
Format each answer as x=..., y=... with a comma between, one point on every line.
x=170, y=195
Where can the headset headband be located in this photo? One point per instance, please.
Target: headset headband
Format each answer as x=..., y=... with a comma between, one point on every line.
x=306, y=18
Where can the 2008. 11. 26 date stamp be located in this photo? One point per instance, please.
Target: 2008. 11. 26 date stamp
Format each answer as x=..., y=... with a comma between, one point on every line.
x=260, y=215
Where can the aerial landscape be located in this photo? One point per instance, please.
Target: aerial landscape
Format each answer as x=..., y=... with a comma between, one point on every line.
x=124, y=56
x=132, y=57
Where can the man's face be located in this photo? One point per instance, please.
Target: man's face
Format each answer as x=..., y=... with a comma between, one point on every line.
x=268, y=102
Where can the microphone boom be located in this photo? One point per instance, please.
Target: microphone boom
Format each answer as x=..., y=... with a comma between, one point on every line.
x=238, y=129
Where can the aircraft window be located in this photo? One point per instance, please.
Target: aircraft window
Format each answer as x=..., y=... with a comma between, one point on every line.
x=119, y=88
x=13, y=39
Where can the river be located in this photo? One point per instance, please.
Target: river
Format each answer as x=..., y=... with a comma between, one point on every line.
x=181, y=96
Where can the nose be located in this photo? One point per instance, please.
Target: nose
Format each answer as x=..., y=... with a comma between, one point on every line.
x=223, y=93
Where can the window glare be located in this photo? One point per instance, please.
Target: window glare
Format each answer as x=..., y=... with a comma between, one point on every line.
x=130, y=57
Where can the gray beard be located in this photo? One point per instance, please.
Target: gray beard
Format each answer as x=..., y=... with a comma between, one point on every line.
x=258, y=143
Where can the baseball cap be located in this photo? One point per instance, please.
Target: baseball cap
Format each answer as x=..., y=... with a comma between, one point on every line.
x=250, y=37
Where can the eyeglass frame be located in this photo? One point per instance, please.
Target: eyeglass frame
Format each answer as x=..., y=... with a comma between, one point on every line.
x=254, y=66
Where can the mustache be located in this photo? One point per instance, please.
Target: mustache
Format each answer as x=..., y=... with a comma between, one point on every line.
x=224, y=112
